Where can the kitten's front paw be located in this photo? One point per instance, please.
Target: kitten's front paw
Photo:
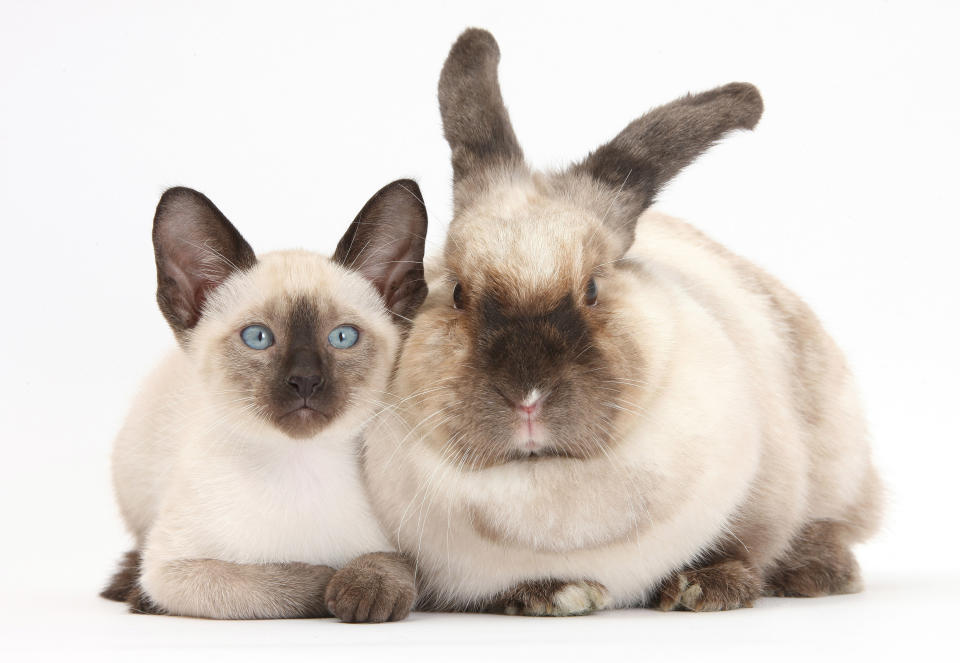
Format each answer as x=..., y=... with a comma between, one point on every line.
x=372, y=589
x=723, y=586
x=553, y=598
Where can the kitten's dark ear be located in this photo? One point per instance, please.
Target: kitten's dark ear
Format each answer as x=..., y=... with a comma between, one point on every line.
x=652, y=149
x=196, y=248
x=385, y=243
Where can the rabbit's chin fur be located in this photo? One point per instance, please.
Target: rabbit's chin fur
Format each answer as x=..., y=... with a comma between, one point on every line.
x=725, y=417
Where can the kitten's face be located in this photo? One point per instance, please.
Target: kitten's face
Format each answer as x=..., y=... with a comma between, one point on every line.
x=291, y=342
x=296, y=343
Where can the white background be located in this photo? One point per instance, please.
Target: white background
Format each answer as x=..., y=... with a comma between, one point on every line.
x=289, y=116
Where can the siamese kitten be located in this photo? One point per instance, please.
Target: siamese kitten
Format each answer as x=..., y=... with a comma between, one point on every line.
x=237, y=470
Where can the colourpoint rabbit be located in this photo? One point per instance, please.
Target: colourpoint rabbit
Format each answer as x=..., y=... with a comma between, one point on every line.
x=598, y=406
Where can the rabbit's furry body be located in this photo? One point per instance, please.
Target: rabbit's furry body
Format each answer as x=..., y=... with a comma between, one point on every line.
x=597, y=412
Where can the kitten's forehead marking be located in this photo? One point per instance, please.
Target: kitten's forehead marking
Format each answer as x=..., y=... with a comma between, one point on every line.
x=312, y=311
x=302, y=315
x=303, y=322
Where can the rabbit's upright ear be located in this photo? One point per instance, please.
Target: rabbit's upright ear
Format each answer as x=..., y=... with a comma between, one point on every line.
x=475, y=121
x=655, y=147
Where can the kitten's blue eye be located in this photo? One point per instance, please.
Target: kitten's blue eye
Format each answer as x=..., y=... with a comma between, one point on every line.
x=257, y=337
x=343, y=336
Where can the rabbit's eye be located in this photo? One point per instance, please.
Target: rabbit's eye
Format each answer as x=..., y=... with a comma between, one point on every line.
x=591, y=294
x=457, y=296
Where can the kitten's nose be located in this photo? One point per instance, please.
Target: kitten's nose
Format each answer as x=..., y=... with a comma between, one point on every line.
x=307, y=385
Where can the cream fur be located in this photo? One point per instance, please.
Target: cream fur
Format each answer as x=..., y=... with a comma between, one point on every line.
x=199, y=476
x=716, y=444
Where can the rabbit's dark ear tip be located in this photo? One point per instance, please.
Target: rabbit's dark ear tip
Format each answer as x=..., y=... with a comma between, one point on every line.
x=749, y=102
x=180, y=193
x=475, y=42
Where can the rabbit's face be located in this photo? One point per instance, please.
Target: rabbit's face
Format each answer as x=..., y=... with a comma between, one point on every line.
x=529, y=349
x=525, y=329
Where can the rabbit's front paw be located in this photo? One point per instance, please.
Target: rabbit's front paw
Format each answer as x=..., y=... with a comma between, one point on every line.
x=726, y=585
x=553, y=598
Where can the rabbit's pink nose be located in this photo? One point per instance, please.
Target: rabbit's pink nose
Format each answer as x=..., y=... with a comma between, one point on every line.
x=531, y=405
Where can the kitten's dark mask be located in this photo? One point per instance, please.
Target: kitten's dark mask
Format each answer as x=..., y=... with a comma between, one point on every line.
x=301, y=382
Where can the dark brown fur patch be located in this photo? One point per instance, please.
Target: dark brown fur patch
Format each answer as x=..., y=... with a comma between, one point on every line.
x=725, y=585
x=301, y=349
x=651, y=150
x=563, y=352
x=525, y=352
x=475, y=121
x=818, y=563
x=385, y=243
x=378, y=587
x=124, y=586
x=305, y=354
x=581, y=357
x=124, y=580
x=141, y=604
x=196, y=248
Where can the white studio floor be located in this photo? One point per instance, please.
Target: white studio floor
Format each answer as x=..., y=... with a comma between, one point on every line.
x=291, y=114
x=894, y=618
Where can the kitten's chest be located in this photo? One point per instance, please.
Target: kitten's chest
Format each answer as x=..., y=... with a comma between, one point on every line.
x=306, y=507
